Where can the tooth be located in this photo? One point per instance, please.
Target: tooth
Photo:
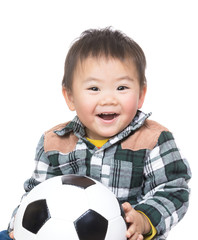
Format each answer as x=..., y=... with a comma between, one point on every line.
x=107, y=113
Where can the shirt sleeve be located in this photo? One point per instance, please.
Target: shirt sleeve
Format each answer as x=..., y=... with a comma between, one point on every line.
x=165, y=193
x=41, y=172
x=43, y=169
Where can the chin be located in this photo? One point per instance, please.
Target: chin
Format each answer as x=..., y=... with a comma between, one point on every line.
x=108, y=135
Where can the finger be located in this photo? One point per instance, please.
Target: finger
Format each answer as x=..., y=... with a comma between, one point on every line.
x=129, y=218
x=134, y=236
x=140, y=237
x=11, y=234
x=131, y=231
x=126, y=206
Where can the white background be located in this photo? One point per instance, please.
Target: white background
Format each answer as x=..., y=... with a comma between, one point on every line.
x=34, y=39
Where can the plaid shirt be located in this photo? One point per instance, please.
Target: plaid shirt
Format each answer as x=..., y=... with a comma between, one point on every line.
x=141, y=165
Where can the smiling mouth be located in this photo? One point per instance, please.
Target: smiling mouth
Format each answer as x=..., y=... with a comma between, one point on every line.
x=107, y=116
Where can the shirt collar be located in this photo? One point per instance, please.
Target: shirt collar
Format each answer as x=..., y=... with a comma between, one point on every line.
x=74, y=126
x=138, y=120
x=78, y=128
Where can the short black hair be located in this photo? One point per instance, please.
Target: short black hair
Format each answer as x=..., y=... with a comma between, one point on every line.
x=103, y=42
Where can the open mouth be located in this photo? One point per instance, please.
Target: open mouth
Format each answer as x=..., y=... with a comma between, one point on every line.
x=108, y=116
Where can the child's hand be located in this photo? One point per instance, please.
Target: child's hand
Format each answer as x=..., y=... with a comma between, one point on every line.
x=11, y=235
x=138, y=223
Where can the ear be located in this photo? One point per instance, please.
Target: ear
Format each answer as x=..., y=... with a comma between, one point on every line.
x=142, y=96
x=68, y=96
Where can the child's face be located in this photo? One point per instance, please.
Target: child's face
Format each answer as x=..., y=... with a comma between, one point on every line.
x=105, y=95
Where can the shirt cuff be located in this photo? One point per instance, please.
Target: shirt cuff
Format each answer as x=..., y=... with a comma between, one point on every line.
x=153, y=231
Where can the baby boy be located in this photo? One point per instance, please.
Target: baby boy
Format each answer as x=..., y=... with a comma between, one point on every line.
x=111, y=140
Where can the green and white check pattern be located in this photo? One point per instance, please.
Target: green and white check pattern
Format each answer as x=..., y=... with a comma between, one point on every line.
x=154, y=180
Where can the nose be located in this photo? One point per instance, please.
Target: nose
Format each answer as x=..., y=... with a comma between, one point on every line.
x=108, y=99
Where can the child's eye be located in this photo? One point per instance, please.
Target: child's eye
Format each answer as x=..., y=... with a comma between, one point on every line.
x=94, y=89
x=121, y=88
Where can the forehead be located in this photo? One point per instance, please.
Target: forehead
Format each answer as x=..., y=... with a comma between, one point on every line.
x=105, y=66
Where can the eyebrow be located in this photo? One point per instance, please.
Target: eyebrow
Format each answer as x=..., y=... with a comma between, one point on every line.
x=125, y=78
x=89, y=79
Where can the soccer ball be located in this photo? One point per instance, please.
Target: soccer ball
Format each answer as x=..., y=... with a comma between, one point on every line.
x=70, y=207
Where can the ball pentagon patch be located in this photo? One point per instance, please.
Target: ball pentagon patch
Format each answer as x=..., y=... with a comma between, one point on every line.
x=78, y=181
x=35, y=216
x=91, y=225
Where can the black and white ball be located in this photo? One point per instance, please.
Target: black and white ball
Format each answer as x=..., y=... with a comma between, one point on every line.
x=70, y=207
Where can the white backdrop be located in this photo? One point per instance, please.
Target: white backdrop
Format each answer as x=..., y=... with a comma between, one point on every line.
x=34, y=39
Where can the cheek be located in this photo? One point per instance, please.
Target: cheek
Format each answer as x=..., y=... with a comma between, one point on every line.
x=130, y=108
x=130, y=104
x=84, y=104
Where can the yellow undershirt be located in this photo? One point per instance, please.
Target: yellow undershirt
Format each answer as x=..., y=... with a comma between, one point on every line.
x=99, y=144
